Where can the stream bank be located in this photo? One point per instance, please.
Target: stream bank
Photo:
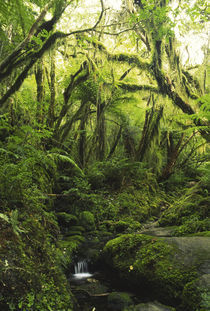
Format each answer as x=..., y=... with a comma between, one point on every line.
x=141, y=272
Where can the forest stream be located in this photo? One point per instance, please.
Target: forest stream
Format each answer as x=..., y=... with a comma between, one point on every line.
x=104, y=155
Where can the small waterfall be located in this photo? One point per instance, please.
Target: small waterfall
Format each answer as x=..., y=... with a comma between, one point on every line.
x=81, y=270
x=81, y=267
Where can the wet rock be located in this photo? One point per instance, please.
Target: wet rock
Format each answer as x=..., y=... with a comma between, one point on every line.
x=169, y=269
x=159, y=231
x=151, y=306
x=118, y=301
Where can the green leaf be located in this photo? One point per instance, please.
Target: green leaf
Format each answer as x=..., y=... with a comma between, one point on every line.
x=65, y=159
x=4, y=217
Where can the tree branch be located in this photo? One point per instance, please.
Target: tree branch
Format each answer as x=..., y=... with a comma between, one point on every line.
x=136, y=87
x=22, y=45
x=36, y=55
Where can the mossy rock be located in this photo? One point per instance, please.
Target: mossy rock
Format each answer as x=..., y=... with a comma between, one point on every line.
x=192, y=225
x=121, y=226
x=154, y=265
x=118, y=301
x=115, y=226
x=103, y=234
x=87, y=220
x=150, y=306
x=75, y=230
x=75, y=238
x=204, y=233
x=66, y=219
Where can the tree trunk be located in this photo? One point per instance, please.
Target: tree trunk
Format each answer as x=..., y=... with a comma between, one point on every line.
x=115, y=143
x=173, y=153
x=82, y=138
x=39, y=75
x=51, y=110
x=101, y=132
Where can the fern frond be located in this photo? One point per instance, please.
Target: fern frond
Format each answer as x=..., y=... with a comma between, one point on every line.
x=4, y=217
x=65, y=159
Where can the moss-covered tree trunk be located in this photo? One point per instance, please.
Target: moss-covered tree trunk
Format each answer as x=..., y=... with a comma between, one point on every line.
x=101, y=131
x=39, y=75
x=51, y=109
x=82, y=137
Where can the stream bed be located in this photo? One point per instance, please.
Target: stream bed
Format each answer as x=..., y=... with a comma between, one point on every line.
x=96, y=291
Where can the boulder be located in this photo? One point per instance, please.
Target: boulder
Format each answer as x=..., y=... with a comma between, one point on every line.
x=87, y=220
x=151, y=306
x=118, y=301
x=170, y=269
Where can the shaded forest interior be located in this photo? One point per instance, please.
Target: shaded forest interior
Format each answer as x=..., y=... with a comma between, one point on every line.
x=104, y=127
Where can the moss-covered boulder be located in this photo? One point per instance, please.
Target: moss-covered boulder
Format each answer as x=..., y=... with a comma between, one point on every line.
x=162, y=267
x=127, y=225
x=150, y=306
x=87, y=220
x=118, y=301
x=66, y=219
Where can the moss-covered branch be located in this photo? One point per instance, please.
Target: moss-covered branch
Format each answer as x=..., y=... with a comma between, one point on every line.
x=34, y=56
x=137, y=87
x=131, y=59
x=13, y=56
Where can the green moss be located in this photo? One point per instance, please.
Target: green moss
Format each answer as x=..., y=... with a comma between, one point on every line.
x=75, y=238
x=142, y=259
x=189, y=212
x=120, y=252
x=50, y=297
x=204, y=233
x=192, y=225
x=30, y=264
x=74, y=230
x=87, y=220
x=66, y=219
x=191, y=297
x=121, y=226
x=119, y=301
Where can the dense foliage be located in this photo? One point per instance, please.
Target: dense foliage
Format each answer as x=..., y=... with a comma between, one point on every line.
x=103, y=127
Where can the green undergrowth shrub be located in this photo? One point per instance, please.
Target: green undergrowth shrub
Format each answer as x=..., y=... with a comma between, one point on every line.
x=190, y=211
x=110, y=174
x=112, y=190
x=116, y=173
x=127, y=189
x=30, y=264
x=51, y=296
x=76, y=195
x=72, y=237
x=31, y=273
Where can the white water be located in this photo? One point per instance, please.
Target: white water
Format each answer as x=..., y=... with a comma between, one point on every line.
x=81, y=270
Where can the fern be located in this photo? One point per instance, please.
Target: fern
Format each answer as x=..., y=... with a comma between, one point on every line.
x=7, y=152
x=13, y=221
x=4, y=217
x=65, y=159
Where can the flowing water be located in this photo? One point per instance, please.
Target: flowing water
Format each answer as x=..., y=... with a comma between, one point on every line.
x=81, y=270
